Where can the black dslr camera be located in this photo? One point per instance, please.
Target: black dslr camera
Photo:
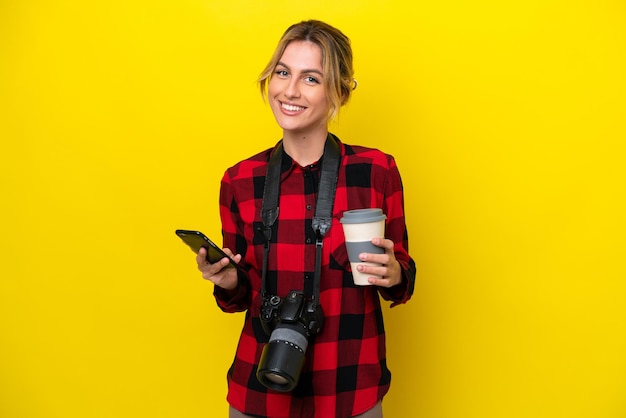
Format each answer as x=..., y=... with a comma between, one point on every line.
x=289, y=322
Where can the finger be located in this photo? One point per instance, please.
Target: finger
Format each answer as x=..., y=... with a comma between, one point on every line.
x=380, y=271
x=375, y=258
x=211, y=271
x=223, y=262
x=236, y=258
x=376, y=281
x=387, y=244
x=201, y=257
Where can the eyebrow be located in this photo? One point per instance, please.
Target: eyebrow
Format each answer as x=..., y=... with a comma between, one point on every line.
x=305, y=71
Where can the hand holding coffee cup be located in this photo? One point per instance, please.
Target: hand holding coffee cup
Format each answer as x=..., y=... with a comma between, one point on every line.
x=360, y=226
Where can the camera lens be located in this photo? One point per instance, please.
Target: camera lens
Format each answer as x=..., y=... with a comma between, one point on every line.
x=276, y=378
x=282, y=358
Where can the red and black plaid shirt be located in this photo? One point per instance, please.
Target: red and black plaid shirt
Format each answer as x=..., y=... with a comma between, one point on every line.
x=345, y=373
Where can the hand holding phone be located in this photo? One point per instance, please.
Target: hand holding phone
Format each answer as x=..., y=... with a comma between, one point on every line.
x=196, y=240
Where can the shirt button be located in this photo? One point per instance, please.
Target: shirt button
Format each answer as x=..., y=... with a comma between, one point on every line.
x=308, y=240
x=308, y=207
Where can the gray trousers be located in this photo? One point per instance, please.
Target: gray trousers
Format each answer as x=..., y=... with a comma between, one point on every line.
x=375, y=412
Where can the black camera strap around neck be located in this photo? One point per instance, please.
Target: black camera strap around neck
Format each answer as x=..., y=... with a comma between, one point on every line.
x=323, y=206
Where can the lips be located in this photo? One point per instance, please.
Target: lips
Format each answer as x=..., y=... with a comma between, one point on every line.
x=291, y=108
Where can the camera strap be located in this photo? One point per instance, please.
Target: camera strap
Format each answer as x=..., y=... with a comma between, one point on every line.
x=323, y=206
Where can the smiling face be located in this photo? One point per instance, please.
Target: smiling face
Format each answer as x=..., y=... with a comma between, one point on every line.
x=297, y=92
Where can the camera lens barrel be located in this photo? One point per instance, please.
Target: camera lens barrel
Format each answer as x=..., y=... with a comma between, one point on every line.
x=282, y=359
x=294, y=335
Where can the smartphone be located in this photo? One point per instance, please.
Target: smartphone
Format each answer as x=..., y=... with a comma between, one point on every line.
x=196, y=240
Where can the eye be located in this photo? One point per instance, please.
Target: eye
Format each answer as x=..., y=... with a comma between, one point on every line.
x=311, y=80
x=281, y=73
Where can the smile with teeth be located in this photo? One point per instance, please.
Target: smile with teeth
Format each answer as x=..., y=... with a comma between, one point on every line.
x=292, y=108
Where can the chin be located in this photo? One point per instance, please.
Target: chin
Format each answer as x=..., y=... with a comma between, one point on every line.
x=290, y=127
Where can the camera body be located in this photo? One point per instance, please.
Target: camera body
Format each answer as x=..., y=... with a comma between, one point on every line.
x=290, y=322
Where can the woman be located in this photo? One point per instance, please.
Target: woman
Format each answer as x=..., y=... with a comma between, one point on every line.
x=342, y=343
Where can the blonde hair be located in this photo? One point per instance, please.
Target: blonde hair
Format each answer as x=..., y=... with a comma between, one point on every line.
x=336, y=60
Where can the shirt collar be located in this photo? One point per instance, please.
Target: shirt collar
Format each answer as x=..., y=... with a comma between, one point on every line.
x=287, y=164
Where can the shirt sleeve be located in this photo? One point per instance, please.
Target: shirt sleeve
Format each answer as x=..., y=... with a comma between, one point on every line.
x=397, y=232
x=239, y=299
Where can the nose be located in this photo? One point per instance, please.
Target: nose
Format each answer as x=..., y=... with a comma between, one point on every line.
x=292, y=91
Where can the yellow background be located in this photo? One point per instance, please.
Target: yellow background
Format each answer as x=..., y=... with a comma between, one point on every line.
x=118, y=118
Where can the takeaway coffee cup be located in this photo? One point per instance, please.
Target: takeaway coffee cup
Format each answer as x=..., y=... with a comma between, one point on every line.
x=359, y=227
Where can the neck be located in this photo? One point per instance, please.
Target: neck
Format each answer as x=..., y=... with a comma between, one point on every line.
x=305, y=149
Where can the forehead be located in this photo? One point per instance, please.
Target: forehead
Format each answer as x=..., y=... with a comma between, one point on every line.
x=302, y=55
